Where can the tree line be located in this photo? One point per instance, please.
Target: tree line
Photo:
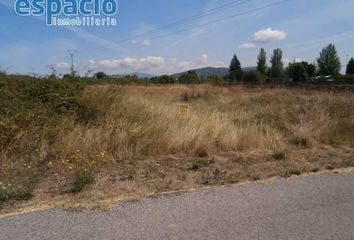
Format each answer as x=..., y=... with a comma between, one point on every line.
x=327, y=64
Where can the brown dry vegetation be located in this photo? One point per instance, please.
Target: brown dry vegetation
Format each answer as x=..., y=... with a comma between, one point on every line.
x=136, y=145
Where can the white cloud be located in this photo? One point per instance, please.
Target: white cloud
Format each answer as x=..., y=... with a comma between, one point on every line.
x=247, y=45
x=268, y=35
x=143, y=43
x=149, y=64
x=204, y=58
x=62, y=66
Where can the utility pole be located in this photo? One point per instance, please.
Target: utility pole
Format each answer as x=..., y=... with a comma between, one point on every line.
x=72, y=53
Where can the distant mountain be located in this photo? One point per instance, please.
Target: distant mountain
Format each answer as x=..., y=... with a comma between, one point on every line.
x=209, y=71
x=206, y=72
x=139, y=74
x=249, y=69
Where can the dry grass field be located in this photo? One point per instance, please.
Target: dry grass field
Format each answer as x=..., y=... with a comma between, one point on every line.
x=134, y=143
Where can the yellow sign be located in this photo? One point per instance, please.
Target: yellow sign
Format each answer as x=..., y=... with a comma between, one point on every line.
x=184, y=111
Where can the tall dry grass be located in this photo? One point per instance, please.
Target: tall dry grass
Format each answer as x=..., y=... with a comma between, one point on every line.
x=143, y=121
x=129, y=123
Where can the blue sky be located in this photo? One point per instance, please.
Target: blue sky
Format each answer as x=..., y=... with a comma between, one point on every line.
x=300, y=27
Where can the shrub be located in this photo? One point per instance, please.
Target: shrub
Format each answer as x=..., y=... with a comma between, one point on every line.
x=101, y=75
x=164, y=79
x=16, y=195
x=279, y=155
x=217, y=176
x=301, y=141
x=191, y=77
x=216, y=80
x=81, y=180
x=201, y=163
x=252, y=77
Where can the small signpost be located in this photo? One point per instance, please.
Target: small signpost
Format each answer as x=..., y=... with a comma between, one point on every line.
x=184, y=111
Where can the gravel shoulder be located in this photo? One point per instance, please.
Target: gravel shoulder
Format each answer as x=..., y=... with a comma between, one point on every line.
x=317, y=206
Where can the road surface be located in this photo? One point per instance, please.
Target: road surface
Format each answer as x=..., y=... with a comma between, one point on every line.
x=307, y=207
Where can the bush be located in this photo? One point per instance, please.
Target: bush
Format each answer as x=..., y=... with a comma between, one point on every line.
x=216, y=80
x=164, y=79
x=101, y=75
x=301, y=141
x=279, y=155
x=200, y=163
x=252, y=77
x=81, y=180
x=191, y=77
x=344, y=77
x=17, y=195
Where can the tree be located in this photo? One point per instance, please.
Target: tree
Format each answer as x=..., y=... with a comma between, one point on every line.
x=235, y=70
x=328, y=62
x=297, y=72
x=189, y=78
x=277, y=63
x=350, y=67
x=252, y=77
x=310, y=69
x=262, y=62
x=101, y=75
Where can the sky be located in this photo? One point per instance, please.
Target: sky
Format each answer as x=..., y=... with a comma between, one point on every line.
x=146, y=40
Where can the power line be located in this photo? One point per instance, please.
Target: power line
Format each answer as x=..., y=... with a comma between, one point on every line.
x=196, y=17
x=182, y=21
x=201, y=25
x=72, y=53
x=223, y=19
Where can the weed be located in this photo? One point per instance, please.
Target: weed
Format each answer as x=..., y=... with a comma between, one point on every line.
x=301, y=142
x=216, y=177
x=329, y=166
x=199, y=163
x=279, y=155
x=18, y=195
x=81, y=180
x=256, y=177
x=291, y=172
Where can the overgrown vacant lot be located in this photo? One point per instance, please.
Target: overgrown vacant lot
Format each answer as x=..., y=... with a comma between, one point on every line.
x=71, y=140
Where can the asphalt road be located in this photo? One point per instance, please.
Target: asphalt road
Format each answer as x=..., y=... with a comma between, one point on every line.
x=308, y=207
